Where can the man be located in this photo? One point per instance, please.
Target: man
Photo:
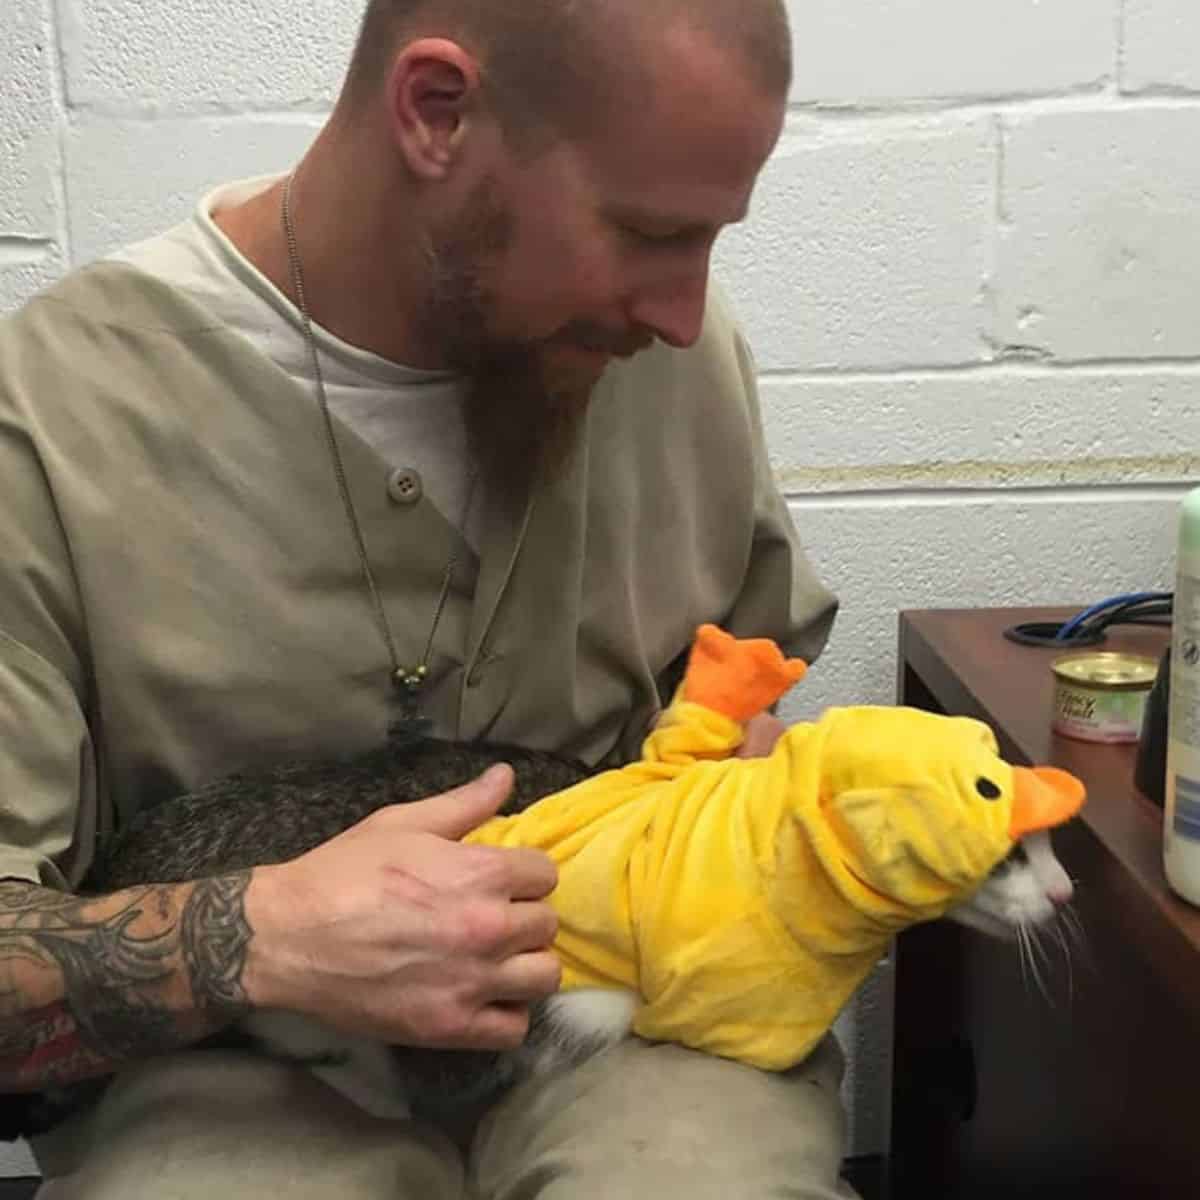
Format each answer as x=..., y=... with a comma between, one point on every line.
x=447, y=425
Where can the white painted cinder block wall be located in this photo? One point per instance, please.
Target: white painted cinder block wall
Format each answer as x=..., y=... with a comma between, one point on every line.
x=970, y=277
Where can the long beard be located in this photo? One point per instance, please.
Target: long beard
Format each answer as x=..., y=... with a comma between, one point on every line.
x=521, y=430
x=523, y=418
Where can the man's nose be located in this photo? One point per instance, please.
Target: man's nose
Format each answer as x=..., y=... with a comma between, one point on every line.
x=672, y=310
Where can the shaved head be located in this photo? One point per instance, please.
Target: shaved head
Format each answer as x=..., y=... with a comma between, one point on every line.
x=552, y=66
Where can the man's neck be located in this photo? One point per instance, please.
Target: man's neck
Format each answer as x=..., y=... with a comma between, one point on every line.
x=354, y=285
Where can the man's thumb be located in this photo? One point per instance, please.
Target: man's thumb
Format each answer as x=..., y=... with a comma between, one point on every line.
x=455, y=813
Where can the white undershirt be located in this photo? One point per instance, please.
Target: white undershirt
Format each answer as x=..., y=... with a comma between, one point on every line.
x=412, y=418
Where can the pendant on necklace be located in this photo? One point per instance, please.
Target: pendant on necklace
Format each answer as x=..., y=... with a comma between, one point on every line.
x=409, y=725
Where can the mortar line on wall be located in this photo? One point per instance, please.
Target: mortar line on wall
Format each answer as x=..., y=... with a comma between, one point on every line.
x=18, y=250
x=901, y=108
x=1014, y=365
x=31, y=241
x=989, y=311
x=1165, y=91
x=1001, y=131
x=820, y=118
x=151, y=114
x=950, y=496
x=1119, y=66
x=58, y=76
x=824, y=116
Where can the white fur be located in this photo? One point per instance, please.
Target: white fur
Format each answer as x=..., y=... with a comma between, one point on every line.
x=1018, y=895
x=1047, y=870
x=590, y=1017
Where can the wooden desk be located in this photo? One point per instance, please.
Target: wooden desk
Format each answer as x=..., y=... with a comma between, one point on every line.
x=997, y=1090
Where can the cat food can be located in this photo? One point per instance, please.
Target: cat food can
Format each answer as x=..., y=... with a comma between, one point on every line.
x=1100, y=696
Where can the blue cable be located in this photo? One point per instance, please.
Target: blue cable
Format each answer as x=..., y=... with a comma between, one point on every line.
x=1067, y=629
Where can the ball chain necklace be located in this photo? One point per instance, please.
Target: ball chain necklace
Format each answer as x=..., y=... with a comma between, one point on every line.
x=406, y=681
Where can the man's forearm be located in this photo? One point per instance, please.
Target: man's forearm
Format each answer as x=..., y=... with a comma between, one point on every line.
x=90, y=983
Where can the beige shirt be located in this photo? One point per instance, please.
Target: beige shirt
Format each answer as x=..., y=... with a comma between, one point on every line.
x=180, y=597
x=412, y=418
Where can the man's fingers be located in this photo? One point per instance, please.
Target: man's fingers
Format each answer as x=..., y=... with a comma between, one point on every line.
x=497, y=1027
x=532, y=927
x=762, y=732
x=533, y=875
x=455, y=813
x=526, y=978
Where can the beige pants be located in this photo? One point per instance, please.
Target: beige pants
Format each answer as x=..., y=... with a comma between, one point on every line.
x=642, y=1121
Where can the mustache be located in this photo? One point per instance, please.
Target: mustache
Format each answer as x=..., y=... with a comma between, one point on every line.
x=621, y=343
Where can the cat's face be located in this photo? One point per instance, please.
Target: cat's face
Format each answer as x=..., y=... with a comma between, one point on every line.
x=1026, y=891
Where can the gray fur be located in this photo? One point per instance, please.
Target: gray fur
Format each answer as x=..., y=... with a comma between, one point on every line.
x=258, y=818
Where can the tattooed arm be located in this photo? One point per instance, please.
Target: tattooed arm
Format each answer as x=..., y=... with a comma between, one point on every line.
x=393, y=930
x=90, y=983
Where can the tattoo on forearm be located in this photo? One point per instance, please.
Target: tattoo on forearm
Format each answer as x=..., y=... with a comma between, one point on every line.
x=113, y=974
x=215, y=937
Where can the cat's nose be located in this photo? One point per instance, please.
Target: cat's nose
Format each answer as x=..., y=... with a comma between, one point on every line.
x=1059, y=888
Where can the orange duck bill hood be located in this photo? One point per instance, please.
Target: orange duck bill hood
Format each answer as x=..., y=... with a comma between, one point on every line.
x=1042, y=798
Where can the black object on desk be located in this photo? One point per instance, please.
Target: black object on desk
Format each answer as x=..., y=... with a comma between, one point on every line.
x=1150, y=771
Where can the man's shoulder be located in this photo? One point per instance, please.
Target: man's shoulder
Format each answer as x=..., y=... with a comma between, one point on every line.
x=111, y=356
x=112, y=329
x=108, y=294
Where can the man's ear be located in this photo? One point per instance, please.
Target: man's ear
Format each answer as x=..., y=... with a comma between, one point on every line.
x=433, y=98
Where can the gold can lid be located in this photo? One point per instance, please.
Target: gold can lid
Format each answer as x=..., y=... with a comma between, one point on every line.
x=1108, y=669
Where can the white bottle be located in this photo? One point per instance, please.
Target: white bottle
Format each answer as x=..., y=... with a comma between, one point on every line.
x=1181, y=827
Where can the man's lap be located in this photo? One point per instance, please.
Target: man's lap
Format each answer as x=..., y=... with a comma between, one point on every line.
x=638, y=1120
x=646, y=1120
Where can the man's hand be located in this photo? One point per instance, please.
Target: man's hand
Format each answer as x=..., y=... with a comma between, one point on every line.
x=762, y=732
x=396, y=930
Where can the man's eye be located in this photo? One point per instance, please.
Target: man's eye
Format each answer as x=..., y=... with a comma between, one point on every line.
x=661, y=240
x=651, y=239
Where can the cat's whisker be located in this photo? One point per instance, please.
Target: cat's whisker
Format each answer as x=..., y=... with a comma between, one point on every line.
x=1078, y=933
x=1035, y=951
x=1071, y=920
x=1021, y=953
x=1035, y=936
x=1035, y=955
x=1043, y=938
x=1066, y=949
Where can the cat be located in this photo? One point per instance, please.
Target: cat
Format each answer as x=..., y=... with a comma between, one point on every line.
x=264, y=817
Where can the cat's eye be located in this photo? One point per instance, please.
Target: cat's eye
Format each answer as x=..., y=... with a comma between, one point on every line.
x=987, y=789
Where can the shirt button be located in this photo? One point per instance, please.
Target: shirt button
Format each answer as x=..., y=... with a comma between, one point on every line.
x=404, y=485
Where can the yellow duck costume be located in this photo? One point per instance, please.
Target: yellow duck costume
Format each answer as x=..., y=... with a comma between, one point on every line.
x=745, y=900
